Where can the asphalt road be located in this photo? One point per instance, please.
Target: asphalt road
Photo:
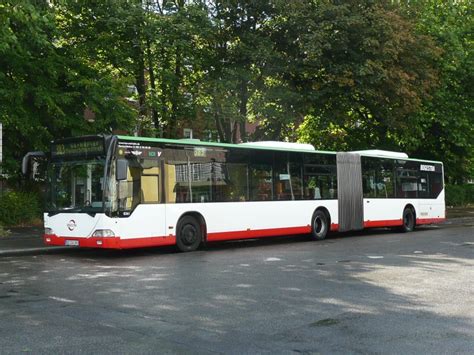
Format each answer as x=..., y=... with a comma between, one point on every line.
x=372, y=292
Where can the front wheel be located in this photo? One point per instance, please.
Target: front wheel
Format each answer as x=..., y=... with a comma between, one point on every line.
x=408, y=220
x=189, y=234
x=320, y=225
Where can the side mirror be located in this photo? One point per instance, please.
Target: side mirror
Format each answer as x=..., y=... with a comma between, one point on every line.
x=31, y=162
x=121, y=170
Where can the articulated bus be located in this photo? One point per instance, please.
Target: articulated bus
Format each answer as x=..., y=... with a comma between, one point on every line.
x=130, y=192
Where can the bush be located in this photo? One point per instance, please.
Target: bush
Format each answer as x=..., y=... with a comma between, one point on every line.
x=3, y=232
x=17, y=207
x=459, y=195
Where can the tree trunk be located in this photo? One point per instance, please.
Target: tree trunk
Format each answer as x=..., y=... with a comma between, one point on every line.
x=243, y=110
x=141, y=86
x=151, y=72
x=173, y=125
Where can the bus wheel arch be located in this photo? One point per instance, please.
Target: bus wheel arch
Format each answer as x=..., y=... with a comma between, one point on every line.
x=408, y=218
x=191, y=231
x=320, y=223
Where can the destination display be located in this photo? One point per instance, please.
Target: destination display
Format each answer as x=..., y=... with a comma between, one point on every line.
x=86, y=147
x=138, y=150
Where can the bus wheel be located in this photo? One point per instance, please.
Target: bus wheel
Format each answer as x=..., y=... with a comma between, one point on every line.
x=408, y=220
x=319, y=225
x=189, y=234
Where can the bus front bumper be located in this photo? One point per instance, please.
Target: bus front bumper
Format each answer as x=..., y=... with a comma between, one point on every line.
x=108, y=242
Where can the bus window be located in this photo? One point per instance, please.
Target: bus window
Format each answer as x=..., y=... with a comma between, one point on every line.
x=237, y=182
x=320, y=182
x=261, y=182
x=131, y=198
x=320, y=176
x=378, y=178
x=288, y=177
x=237, y=175
x=369, y=177
x=386, y=179
x=188, y=174
x=407, y=181
x=150, y=181
x=436, y=184
x=423, y=185
x=260, y=176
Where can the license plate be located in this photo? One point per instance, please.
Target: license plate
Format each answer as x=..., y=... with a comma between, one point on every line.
x=72, y=243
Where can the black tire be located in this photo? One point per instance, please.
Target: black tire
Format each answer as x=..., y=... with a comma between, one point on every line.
x=319, y=225
x=408, y=220
x=188, y=234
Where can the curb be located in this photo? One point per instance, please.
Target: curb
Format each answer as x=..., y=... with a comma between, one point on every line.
x=35, y=251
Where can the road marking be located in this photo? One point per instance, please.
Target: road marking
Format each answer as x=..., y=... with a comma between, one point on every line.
x=62, y=299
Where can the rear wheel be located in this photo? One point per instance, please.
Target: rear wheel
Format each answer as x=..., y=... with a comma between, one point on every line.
x=189, y=234
x=408, y=220
x=320, y=225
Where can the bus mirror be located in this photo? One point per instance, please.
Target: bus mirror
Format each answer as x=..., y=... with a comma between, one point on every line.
x=32, y=165
x=122, y=169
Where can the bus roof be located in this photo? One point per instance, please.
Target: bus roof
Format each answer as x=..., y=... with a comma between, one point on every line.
x=271, y=145
x=280, y=146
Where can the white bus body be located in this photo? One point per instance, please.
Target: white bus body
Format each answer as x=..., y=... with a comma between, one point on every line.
x=156, y=224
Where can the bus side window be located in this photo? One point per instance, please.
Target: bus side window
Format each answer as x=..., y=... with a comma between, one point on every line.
x=436, y=184
x=261, y=176
x=287, y=176
x=261, y=182
x=423, y=185
x=132, y=197
x=150, y=181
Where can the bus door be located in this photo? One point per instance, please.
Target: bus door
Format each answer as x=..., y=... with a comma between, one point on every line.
x=349, y=192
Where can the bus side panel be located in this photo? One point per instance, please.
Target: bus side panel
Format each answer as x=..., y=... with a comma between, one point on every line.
x=380, y=212
x=228, y=220
x=146, y=221
x=388, y=212
x=431, y=211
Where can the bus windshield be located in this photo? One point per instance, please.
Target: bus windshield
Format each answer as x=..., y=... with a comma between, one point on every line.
x=77, y=186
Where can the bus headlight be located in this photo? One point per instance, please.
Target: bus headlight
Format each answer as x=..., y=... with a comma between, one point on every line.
x=48, y=231
x=103, y=233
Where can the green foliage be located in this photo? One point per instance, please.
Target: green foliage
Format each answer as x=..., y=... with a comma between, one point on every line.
x=445, y=122
x=342, y=75
x=18, y=207
x=46, y=84
x=459, y=195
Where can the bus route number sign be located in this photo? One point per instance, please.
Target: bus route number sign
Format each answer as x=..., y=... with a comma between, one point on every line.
x=427, y=167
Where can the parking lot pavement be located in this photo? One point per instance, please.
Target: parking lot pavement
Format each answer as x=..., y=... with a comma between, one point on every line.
x=25, y=241
x=369, y=292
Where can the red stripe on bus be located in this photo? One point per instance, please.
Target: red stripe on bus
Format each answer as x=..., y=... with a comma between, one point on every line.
x=429, y=220
x=113, y=242
x=257, y=233
x=384, y=223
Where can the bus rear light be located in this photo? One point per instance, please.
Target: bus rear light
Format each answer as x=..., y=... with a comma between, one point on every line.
x=103, y=233
x=48, y=231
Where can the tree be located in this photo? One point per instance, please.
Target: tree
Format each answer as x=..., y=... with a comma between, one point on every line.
x=446, y=121
x=45, y=86
x=362, y=69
